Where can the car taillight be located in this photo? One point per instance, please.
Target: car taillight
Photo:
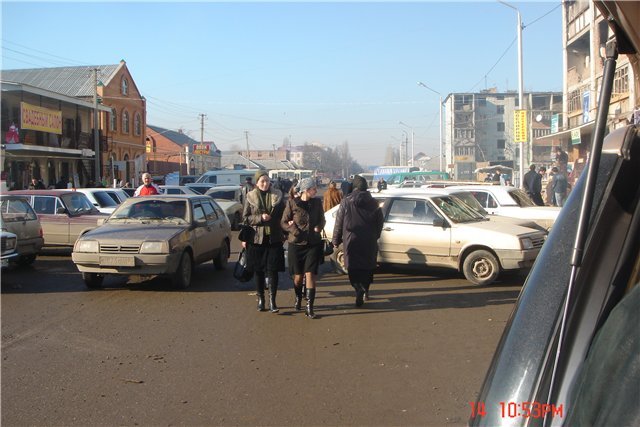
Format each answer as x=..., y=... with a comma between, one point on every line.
x=41, y=233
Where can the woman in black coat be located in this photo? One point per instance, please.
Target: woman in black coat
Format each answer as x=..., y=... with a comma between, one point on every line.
x=358, y=226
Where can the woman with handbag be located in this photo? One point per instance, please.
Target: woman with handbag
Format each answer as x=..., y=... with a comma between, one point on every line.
x=358, y=226
x=262, y=212
x=303, y=219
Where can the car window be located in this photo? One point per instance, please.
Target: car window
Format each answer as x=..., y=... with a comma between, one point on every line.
x=114, y=196
x=227, y=195
x=198, y=212
x=105, y=200
x=218, y=209
x=456, y=210
x=17, y=210
x=76, y=203
x=401, y=210
x=521, y=198
x=468, y=198
x=209, y=212
x=423, y=212
x=44, y=205
x=485, y=199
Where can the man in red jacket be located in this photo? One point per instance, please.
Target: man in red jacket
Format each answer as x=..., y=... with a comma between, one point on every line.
x=148, y=188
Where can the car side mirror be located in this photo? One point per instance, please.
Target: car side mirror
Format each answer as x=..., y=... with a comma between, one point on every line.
x=439, y=222
x=61, y=210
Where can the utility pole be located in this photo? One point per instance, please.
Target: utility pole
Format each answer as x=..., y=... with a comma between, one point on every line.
x=202, y=117
x=246, y=136
x=96, y=136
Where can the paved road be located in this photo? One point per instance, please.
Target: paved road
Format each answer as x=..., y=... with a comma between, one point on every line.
x=146, y=354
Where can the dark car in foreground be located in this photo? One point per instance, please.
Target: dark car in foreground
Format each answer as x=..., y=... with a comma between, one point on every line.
x=17, y=216
x=155, y=235
x=570, y=352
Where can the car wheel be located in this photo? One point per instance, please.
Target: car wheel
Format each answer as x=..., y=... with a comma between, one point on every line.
x=337, y=259
x=481, y=267
x=92, y=280
x=182, y=277
x=235, y=224
x=26, y=260
x=222, y=259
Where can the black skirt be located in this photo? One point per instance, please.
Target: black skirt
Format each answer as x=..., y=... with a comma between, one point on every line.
x=265, y=257
x=305, y=258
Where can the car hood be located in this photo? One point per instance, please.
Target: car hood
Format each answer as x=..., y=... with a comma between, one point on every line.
x=530, y=212
x=489, y=228
x=133, y=232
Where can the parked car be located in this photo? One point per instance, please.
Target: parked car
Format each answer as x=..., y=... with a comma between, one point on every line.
x=441, y=231
x=510, y=201
x=17, y=216
x=106, y=200
x=228, y=197
x=63, y=214
x=177, y=189
x=129, y=191
x=570, y=351
x=155, y=235
x=9, y=244
x=200, y=187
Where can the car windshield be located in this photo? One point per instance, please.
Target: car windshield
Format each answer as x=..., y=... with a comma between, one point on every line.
x=174, y=211
x=473, y=203
x=76, y=203
x=521, y=198
x=220, y=194
x=456, y=210
x=104, y=199
x=17, y=210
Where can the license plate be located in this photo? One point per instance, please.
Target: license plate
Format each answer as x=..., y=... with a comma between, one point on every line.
x=118, y=261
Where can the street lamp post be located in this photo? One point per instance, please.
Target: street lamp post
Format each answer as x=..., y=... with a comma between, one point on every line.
x=412, y=136
x=520, y=83
x=440, y=117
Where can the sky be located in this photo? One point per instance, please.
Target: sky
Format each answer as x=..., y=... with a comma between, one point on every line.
x=307, y=72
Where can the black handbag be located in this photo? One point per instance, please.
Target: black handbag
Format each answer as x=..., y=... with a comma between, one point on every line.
x=328, y=246
x=240, y=271
x=246, y=234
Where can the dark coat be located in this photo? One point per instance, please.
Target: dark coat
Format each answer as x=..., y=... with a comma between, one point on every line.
x=532, y=182
x=305, y=217
x=358, y=226
x=252, y=215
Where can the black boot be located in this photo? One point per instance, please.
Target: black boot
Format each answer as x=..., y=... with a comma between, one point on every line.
x=298, y=291
x=366, y=291
x=272, y=284
x=260, y=282
x=359, y=294
x=311, y=297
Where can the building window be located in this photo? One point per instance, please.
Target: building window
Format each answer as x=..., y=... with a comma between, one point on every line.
x=501, y=144
x=500, y=109
x=113, y=120
x=125, y=122
x=482, y=102
x=137, y=124
x=500, y=126
x=575, y=100
x=124, y=86
x=621, y=81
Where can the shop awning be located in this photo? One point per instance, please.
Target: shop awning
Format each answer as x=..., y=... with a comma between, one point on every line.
x=24, y=150
x=563, y=136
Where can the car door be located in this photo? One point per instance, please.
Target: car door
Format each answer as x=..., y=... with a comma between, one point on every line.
x=201, y=239
x=217, y=219
x=55, y=226
x=409, y=236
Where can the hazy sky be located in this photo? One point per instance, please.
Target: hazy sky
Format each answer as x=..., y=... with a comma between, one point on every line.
x=325, y=72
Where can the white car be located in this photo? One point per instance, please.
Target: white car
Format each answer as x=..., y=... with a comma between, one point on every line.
x=106, y=200
x=439, y=230
x=177, y=189
x=228, y=197
x=510, y=201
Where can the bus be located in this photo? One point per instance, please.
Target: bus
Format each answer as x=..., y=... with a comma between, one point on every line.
x=226, y=176
x=386, y=171
x=422, y=177
x=290, y=174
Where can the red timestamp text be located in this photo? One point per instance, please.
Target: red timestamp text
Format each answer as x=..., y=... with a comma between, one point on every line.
x=519, y=410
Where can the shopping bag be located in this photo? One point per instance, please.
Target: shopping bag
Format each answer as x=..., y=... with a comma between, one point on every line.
x=240, y=271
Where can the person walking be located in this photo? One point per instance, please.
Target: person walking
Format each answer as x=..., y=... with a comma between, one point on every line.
x=262, y=211
x=560, y=185
x=36, y=184
x=246, y=188
x=533, y=185
x=382, y=184
x=303, y=219
x=562, y=159
x=148, y=188
x=358, y=227
x=332, y=196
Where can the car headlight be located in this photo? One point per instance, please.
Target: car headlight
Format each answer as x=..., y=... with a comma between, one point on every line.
x=87, y=246
x=526, y=243
x=10, y=243
x=153, y=248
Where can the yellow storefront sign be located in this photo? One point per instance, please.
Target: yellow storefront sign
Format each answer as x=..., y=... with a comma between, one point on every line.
x=520, y=126
x=40, y=118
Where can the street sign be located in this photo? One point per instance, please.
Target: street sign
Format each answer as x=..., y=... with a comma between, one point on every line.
x=554, y=123
x=575, y=136
x=520, y=126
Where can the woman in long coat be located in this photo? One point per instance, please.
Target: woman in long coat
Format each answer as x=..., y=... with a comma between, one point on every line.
x=263, y=209
x=358, y=226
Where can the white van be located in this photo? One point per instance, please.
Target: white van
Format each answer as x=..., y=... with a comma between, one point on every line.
x=226, y=176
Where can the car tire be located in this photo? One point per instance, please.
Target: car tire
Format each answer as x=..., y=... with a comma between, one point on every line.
x=222, y=259
x=182, y=277
x=337, y=260
x=93, y=280
x=481, y=267
x=26, y=260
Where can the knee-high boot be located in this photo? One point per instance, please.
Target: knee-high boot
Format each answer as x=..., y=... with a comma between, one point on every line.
x=272, y=283
x=260, y=282
x=298, y=291
x=311, y=297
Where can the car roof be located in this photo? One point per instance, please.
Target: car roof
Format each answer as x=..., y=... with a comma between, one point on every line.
x=56, y=192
